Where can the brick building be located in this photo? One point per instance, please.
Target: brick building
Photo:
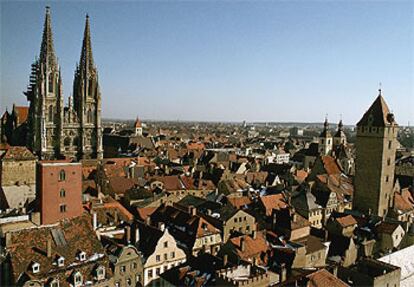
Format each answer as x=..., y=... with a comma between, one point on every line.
x=59, y=189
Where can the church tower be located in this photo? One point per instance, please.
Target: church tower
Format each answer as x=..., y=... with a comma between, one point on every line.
x=325, y=140
x=46, y=99
x=339, y=137
x=87, y=101
x=376, y=145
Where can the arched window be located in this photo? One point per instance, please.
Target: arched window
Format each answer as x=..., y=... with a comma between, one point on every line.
x=66, y=142
x=62, y=175
x=50, y=113
x=62, y=193
x=51, y=84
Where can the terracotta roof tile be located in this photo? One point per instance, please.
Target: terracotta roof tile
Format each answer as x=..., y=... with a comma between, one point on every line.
x=323, y=278
x=347, y=220
x=274, y=201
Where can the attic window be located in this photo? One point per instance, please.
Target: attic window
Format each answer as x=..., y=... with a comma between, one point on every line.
x=61, y=261
x=82, y=256
x=54, y=283
x=77, y=279
x=35, y=267
x=100, y=273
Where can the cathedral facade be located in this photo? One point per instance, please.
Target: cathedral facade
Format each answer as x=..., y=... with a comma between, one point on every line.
x=53, y=129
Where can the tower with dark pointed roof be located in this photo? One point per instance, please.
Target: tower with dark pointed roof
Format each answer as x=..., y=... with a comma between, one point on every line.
x=87, y=100
x=376, y=145
x=325, y=139
x=339, y=137
x=46, y=99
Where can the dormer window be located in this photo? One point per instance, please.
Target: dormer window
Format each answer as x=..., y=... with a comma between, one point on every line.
x=54, y=283
x=61, y=261
x=77, y=279
x=100, y=273
x=35, y=267
x=82, y=256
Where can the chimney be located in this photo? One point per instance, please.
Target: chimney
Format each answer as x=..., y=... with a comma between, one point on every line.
x=94, y=220
x=294, y=217
x=8, y=239
x=254, y=234
x=128, y=234
x=137, y=234
x=161, y=226
x=335, y=270
x=193, y=210
x=283, y=272
x=242, y=244
x=49, y=248
x=116, y=217
x=225, y=259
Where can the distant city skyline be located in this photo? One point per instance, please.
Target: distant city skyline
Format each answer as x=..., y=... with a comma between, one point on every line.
x=223, y=61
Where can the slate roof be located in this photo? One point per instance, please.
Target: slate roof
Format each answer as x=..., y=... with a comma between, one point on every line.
x=378, y=115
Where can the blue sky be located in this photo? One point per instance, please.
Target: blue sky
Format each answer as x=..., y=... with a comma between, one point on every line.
x=224, y=61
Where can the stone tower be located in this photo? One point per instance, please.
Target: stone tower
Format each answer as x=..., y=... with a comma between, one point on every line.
x=325, y=140
x=55, y=131
x=376, y=145
x=46, y=100
x=87, y=101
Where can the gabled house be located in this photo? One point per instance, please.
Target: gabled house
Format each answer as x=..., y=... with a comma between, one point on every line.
x=159, y=250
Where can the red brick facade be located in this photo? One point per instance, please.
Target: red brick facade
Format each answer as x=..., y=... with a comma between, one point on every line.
x=59, y=190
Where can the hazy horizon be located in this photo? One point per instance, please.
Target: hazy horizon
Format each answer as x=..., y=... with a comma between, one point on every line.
x=223, y=61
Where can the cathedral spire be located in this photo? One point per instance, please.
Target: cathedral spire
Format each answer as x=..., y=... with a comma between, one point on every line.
x=86, y=60
x=47, y=50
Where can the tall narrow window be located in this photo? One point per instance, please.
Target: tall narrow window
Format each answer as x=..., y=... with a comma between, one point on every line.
x=51, y=83
x=62, y=193
x=62, y=175
x=50, y=113
x=89, y=116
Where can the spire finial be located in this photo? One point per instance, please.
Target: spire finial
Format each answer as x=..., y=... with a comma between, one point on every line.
x=379, y=89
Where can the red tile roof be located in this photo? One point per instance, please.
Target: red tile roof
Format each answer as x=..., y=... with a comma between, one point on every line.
x=346, y=221
x=239, y=201
x=145, y=212
x=274, y=201
x=18, y=153
x=67, y=238
x=23, y=112
x=323, y=278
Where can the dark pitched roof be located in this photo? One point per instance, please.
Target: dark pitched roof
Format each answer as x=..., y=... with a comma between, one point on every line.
x=378, y=115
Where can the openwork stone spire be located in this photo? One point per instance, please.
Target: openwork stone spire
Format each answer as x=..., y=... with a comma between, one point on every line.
x=47, y=50
x=86, y=60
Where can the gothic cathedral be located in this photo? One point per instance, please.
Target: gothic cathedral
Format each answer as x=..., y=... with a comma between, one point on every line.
x=58, y=131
